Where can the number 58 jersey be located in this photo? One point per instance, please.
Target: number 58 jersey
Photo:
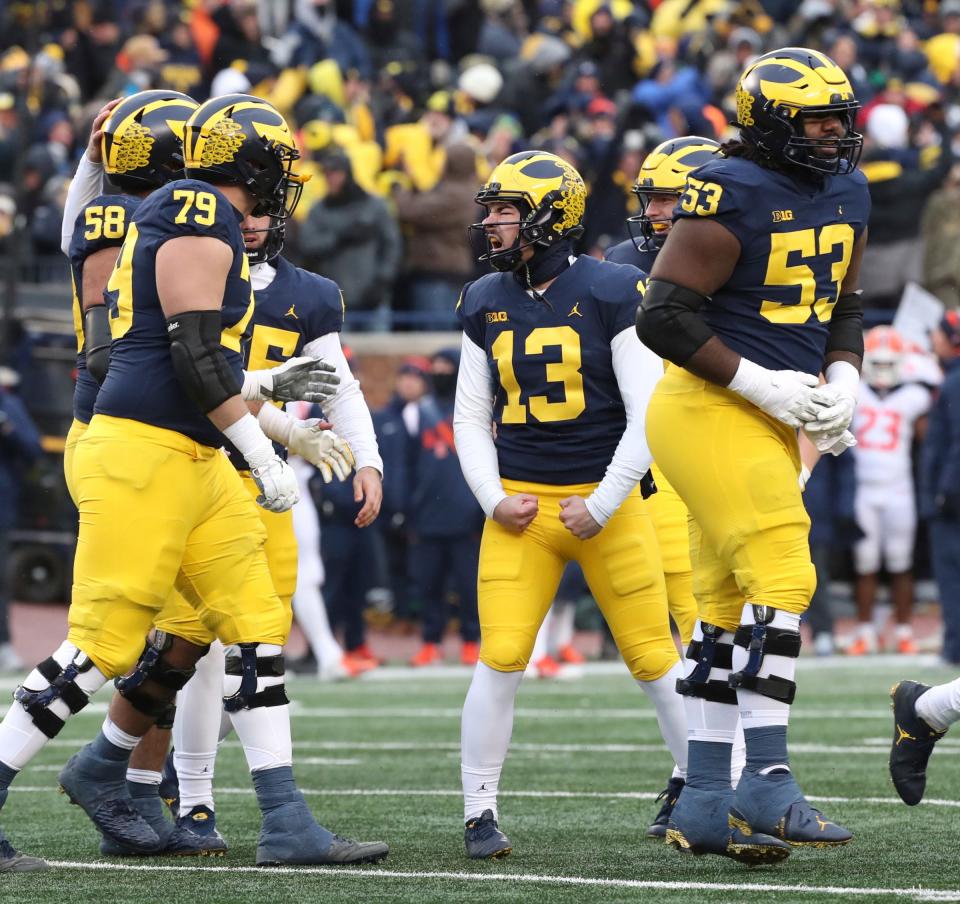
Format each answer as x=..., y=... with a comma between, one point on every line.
x=557, y=404
x=796, y=240
x=141, y=383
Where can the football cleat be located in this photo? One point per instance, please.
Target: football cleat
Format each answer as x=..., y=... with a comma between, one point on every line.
x=774, y=805
x=428, y=654
x=906, y=646
x=913, y=742
x=201, y=821
x=99, y=787
x=13, y=861
x=700, y=824
x=364, y=652
x=170, y=785
x=669, y=795
x=570, y=655
x=546, y=667
x=484, y=840
x=175, y=841
x=469, y=653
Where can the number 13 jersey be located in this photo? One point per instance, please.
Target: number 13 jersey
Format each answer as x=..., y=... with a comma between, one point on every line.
x=557, y=405
x=796, y=239
x=141, y=383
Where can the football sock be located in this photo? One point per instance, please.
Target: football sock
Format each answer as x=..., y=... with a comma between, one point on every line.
x=311, y=614
x=20, y=739
x=117, y=737
x=541, y=646
x=738, y=758
x=939, y=707
x=144, y=777
x=485, y=731
x=562, y=629
x=196, y=730
x=670, y=714
x=264, y=731
x=709, y=765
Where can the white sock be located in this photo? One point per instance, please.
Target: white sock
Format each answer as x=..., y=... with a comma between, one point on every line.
x=541, y=646
x=939, y=707
x=706, y=720
x=196, y=730
x=903, y=631
x=756, y=710
x=117, y=736
x=20, y=739
x=264, y=731
x=881, y=615
x=485, y=731
x=310, y=611
x=670, y=715
x=144, y=777
x=562, y=628
x=738, y=758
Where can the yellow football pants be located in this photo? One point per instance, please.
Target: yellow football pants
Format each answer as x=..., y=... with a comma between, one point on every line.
x=519, y=574
x=673, y=536
x=77, y=429
x=736, y=469
x=179, y=617
x=158, y=509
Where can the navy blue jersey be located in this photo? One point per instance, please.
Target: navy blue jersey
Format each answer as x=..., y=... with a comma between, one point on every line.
x=296, y=308
x=557, y=405
x=141, y=383
x=796, y=239
x=627, y=253
x=101, y=224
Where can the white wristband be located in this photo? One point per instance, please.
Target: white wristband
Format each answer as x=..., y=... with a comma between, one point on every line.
x=250, y=441
x=844, y=376
x=276, y=423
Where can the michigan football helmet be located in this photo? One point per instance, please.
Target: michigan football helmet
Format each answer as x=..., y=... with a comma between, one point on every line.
x=664, y=173
x=550, y=195
x=242, y=140
x=775, y=93
x=142, y=140
x=884, y=351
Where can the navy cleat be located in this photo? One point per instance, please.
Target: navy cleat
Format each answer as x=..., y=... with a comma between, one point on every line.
x=12, y=861
x=913, y=742
x=290, y=835
x=775, y=805
x=700, y=825
x=170, y=785
x=669, y=795
x=175, y=841
x=484, y=840
x=201, y=821
x=99, y=787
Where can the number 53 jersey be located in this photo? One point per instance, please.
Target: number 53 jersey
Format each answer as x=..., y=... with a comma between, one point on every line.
x=557, y=405
x=141, y=383
x=796, y=240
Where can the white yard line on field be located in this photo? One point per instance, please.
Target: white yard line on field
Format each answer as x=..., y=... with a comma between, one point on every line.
x=916, y=894
x=597, y=795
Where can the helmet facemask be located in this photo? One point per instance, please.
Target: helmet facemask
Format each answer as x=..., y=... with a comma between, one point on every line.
x=272, y=245
x=271, y=185
x=643, y=228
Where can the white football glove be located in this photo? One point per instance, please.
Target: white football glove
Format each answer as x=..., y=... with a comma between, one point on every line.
x=835, y=414
x=786, y=395
x=302, y=379
x=832, y=444
x=279, y=490
x=326, y=451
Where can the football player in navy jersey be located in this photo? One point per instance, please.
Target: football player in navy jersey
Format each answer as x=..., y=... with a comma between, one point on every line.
x=160, y=505
x=752, y=296
x=661, y=180
x=550, y=356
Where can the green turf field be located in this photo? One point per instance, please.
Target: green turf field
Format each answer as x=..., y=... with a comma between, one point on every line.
x=379, y=759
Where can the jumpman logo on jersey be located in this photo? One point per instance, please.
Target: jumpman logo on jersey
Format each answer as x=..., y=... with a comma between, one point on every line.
x=575, y=310
x=292, y=313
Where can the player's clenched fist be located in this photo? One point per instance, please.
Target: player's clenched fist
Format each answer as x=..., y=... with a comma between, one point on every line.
x=516, y=512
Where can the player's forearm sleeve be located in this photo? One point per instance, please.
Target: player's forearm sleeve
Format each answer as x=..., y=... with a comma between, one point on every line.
x=472, y=423
x=347, y=410
x=86, y=184
x=846, y=325
x=637, y=370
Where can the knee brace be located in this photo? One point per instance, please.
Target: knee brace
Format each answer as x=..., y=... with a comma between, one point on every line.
x=709, y=653
x=153, y=684
x=61, y=685
x=764, y=639
x=165, y=721
x=260, y=669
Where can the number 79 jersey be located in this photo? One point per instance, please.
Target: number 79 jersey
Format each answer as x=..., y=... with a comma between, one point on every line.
x=796, y=241
x=557, y=404
x=141, y=383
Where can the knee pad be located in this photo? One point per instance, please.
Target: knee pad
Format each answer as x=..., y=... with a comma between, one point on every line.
x=507, y=654
x=761, y=639
x=153, y=684
x=260, y=668
x=712, y=652
x=61, y=686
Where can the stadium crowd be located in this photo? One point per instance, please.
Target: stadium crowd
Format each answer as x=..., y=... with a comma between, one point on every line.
x=402, y=108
